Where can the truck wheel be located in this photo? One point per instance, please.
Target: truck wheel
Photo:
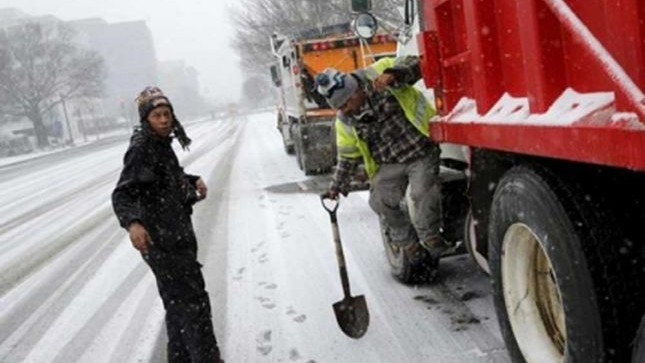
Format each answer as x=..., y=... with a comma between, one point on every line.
x=401, y=266
x=299, y=151
x=638, y=356
x=284, y=129
x=288, y=148
x=470, y=240
x=543, y=291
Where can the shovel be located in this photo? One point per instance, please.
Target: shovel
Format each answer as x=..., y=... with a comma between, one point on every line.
x=351, y=312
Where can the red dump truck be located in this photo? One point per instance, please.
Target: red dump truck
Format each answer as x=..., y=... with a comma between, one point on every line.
x=547, y=97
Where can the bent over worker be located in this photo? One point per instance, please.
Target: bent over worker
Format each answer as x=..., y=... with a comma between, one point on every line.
x=382, y=121
x=153, y=201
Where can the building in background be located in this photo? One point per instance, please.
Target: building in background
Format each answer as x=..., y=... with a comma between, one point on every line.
x=130, y=60
x=181, y=83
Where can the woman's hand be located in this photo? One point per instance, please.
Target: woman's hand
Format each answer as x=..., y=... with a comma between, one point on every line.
x=202, y=190
x=139, y=237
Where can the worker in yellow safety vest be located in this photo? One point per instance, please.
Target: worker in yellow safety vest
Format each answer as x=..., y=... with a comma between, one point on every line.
x=382, y=121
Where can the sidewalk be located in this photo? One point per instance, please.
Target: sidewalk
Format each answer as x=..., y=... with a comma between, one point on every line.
x=78, y=143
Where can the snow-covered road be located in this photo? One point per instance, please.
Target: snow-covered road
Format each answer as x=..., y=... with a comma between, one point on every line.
x=72, y=289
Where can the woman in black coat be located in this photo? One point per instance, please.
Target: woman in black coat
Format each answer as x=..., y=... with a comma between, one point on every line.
x=153, y=201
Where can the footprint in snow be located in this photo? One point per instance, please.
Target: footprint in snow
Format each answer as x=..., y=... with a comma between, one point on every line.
x=269, y=306
x=264, y=336
x=238, y=277
x=294, y=355
x=271, y=287
x=257, y=248
x=265, y=350
x=262, y=299
x=300, y=318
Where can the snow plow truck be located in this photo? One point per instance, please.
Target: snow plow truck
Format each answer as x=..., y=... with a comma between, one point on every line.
x=546, y=96
x=304, y=119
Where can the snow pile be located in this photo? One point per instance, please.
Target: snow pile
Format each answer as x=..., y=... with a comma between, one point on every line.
x=570, y=107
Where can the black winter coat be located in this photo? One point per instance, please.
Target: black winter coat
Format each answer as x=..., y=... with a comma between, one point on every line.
x=154, y=190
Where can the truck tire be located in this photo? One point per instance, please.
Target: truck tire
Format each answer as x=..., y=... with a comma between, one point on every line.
x=288, y=148
x=543, y=288
x=638, y=356
x=285, y=128
x=400, y=265
x=300, y=152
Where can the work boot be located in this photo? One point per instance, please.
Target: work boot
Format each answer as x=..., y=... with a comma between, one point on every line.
x=435, y=245
x=414, y=252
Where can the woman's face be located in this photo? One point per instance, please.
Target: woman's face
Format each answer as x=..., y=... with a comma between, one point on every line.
x=160, y=120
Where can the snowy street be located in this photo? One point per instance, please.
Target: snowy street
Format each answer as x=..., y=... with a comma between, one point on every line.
x=73, y=289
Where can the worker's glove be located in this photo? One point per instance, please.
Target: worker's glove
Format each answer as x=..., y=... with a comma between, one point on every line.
x=332, y=193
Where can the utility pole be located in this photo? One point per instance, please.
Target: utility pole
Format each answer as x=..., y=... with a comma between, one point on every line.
x=69, y=129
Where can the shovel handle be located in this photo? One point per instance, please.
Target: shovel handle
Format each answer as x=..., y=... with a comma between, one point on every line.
x=331, y=208
x=330, y=205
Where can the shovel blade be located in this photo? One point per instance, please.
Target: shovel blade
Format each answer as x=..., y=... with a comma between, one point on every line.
x=352, y=316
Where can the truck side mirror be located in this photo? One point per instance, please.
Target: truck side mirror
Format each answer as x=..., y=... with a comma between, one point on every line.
x=275, y=76
x=361, y=6
x=365, y=25
x=410, y=12
x=276, y=43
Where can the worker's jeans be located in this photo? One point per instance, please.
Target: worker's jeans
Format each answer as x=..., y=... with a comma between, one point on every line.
x=188, y=313
x=388, y=189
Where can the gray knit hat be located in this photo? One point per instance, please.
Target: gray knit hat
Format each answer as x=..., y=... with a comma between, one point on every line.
x=336, y=87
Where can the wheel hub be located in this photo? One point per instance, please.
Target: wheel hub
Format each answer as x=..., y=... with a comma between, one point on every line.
x=532, y=297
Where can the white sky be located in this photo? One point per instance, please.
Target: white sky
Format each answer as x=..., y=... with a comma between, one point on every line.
x=198, y=31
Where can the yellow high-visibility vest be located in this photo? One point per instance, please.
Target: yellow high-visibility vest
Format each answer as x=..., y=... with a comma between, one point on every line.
x=416, y=108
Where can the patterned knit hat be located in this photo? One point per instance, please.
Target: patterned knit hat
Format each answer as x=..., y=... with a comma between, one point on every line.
x=149, y=99
x=336, y=87
x=152, y=97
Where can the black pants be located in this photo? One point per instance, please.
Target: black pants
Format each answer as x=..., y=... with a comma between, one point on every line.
x=188, y=314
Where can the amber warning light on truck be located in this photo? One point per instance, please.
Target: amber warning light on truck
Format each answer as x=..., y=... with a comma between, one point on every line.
x=342, y=43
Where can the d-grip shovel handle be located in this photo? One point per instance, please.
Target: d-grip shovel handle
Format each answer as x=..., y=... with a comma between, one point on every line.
x=331, y=208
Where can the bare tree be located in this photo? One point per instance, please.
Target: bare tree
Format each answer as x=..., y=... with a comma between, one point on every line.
x=40, y=66
x=256, y=20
